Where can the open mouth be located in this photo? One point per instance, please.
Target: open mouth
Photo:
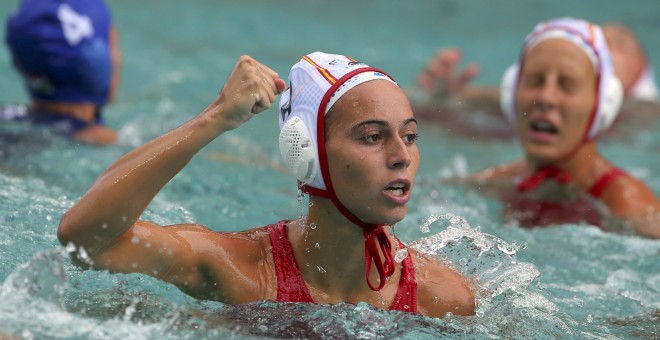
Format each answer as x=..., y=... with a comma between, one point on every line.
x=396, y=189
x=544, y=127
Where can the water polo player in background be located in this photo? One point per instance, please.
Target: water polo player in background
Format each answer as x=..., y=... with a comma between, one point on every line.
x=442, y=91
x=349, y=135
x=68, y=54
x=560, y=95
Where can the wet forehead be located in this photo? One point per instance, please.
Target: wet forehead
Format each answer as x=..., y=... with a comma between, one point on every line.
x=559, y=53
x=377, y=99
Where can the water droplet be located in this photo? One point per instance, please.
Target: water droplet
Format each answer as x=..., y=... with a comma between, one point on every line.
x=400, y=255
x=317, y=246
x=463, y=261
x=590, y=318
x=578, y=302
x=425, y=228
x=381, y=298
x=312, y=226
x=70, y=247
x=135, y=240
x=104, y=226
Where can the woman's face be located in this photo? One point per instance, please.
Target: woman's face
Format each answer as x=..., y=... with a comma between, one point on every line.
x=555, y=98
x=372, y=151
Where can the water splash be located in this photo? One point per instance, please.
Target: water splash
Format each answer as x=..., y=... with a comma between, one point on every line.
x=504, y=291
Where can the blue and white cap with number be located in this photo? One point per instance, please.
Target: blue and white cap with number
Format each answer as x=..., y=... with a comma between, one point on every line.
x=61, y=47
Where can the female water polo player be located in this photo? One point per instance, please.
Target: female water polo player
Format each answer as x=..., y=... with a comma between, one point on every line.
x=560, y=95
x=348, y=134
x=443, y=92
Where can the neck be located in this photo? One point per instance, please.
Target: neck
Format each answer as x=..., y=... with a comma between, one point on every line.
x=330, y=249
x=83, y=111
x=585, y=165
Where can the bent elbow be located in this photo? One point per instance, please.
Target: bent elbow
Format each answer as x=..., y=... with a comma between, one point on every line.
x=65, y=230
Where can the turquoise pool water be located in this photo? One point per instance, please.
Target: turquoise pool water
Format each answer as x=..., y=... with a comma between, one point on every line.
x=569, y=281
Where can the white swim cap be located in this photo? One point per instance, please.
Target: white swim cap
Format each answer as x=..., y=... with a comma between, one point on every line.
x=316, y=82
x=590, y=38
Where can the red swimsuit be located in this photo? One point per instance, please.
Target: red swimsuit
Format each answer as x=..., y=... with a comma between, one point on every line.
x=291, y=286
x=530, y=212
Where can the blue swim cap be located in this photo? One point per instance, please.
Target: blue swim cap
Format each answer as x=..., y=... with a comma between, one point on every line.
x=61, y=47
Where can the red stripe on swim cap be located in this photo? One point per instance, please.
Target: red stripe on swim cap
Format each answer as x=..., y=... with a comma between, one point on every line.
x=323, y=71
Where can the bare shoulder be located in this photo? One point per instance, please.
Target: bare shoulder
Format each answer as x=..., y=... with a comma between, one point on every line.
x=441, y=289
x=631, y=199
x=496, y=179
x=502, y=171
x=626, y=193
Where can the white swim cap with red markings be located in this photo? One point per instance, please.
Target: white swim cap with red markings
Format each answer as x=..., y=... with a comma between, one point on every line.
x=316, y=82
x=590, y=38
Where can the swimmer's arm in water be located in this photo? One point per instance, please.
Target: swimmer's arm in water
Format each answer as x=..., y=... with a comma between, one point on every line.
x=629, y=198
x=493, y=180
x=205, y=264
x=107, y=216
x=96, y=134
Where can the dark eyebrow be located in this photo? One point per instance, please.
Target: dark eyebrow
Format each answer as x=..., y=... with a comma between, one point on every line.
x=381, y=123
x=410, y=120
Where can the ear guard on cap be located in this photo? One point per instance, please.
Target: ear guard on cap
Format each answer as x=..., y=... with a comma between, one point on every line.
x=610, y=104
x=297, y=149
x=508, y=92
x=95, y=69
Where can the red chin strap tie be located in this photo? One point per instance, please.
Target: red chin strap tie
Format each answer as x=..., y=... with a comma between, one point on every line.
x=374, y=238
x=543, y=174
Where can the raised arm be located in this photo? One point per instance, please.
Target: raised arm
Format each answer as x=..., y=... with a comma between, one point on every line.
x=105, y=220
x=441, y=81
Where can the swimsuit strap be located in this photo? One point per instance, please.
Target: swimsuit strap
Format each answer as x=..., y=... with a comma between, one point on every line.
x=374, y=238
x=291, y=286
x=543, y=174
x=600, y=185
x=406, y=296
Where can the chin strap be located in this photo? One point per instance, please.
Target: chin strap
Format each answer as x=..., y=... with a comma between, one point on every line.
x=374, y=238
x=543, y=174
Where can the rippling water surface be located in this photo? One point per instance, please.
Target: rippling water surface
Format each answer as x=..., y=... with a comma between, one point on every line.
x=569, y=281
